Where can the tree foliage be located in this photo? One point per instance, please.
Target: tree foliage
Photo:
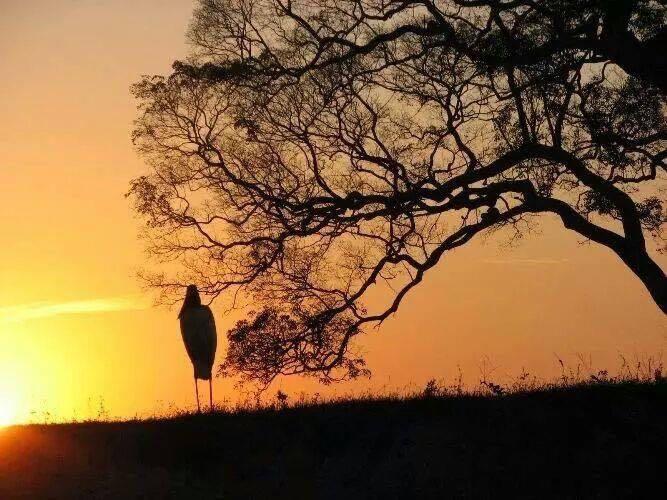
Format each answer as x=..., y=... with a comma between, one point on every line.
x=309, y=151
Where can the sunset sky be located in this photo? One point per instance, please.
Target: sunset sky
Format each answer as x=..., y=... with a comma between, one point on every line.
x=76, y=329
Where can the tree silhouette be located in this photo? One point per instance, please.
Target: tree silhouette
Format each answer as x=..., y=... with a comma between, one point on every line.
x=309, y=151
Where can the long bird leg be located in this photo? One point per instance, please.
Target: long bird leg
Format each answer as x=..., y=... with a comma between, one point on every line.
x=197, y=393
x=210, y=393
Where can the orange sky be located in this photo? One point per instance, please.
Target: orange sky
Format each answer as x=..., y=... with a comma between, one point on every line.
x=76, y=328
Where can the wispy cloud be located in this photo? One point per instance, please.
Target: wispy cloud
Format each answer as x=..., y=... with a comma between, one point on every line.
x=526, y=261
x=34, y=310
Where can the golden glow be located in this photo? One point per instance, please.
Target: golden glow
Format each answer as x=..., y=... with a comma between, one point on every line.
x=7, y=412
x=8, y=405
x=77, y=340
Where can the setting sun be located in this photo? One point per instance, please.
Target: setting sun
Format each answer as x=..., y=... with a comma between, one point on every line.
x=8, y=409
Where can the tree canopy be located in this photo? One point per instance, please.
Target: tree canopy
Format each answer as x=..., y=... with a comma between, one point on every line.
x=308, y=151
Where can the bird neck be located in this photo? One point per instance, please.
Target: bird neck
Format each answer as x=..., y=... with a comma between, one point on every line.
x=192, y=300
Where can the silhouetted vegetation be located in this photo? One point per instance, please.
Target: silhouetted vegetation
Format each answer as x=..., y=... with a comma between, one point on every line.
x=594, y=440
x=310, y=152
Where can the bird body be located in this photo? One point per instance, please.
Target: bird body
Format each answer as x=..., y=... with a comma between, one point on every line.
x=199, y=336
x=200, y=339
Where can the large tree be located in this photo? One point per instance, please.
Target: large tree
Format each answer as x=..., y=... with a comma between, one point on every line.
x=310, y=150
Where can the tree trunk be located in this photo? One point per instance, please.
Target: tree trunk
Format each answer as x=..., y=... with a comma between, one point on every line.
x=648, y=271
x=646, y=59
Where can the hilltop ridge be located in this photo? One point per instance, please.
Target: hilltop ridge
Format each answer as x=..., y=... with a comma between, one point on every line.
x=591, y=441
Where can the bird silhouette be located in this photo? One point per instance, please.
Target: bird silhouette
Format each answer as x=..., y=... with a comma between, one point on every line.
x=200, y=338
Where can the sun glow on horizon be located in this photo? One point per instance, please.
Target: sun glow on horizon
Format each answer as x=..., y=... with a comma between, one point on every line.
x=8, y=407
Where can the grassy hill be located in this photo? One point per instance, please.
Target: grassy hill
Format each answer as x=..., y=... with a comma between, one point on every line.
x=590, y=441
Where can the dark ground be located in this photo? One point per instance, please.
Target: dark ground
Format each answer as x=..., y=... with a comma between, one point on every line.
x=597, y=441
